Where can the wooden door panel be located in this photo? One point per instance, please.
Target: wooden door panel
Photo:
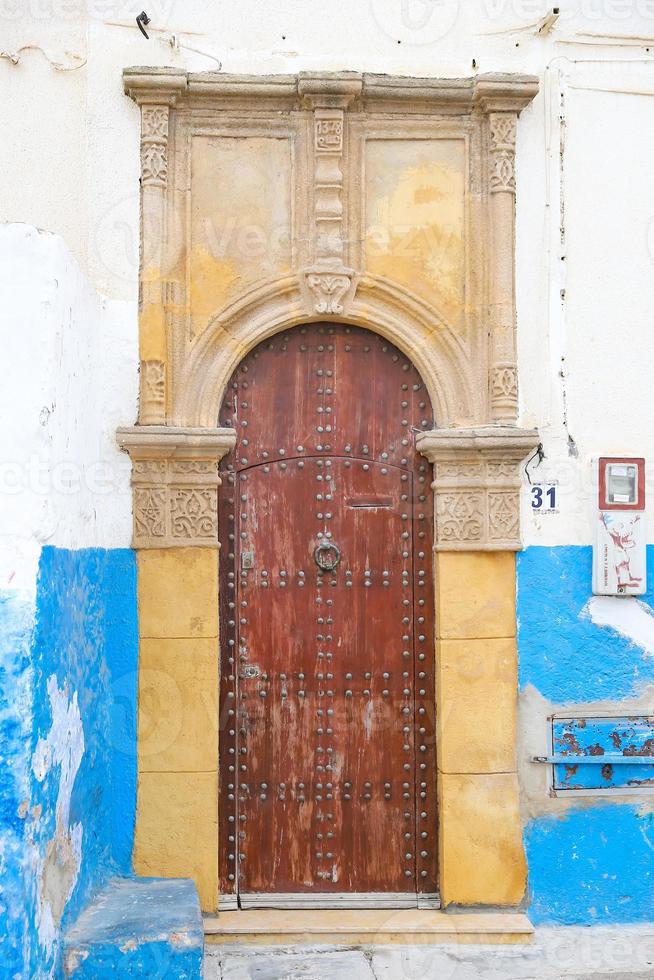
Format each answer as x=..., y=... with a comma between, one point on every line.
x=369, y=646
x=327, y=752
x=275, y=732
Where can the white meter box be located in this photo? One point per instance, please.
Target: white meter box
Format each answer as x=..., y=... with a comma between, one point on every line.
x=619, y=553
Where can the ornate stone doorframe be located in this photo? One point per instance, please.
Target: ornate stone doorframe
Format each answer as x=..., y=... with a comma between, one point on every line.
x=384, y=202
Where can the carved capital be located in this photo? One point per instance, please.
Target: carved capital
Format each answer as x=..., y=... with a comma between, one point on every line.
x=504, y=391
x=503, y=127
x=152, y=410
x=175, y=483
x=477, y=485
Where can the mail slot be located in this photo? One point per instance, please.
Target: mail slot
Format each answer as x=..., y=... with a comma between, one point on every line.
x=601, y=754
x=369, y=502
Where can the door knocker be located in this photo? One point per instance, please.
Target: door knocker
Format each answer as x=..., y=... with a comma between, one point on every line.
x=327, y=556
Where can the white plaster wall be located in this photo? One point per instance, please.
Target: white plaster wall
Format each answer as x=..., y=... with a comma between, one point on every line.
x=70, y=377
x=585, y=229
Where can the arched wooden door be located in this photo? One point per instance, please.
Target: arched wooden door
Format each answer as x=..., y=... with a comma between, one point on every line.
x=327, y=748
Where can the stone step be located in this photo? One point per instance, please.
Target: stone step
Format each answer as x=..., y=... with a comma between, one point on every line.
x=137, y=927
x=366, y=927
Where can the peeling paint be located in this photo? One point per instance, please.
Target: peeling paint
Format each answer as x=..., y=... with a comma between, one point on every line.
x=16, y=626
x=58, y=869
x=582, y=657
x=562, y=651
x=627, y=616
x=68, y=743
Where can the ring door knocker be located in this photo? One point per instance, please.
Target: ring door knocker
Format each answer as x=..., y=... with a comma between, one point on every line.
x=327, y=556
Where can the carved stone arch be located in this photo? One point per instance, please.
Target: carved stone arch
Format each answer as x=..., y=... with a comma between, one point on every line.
x=378, y=305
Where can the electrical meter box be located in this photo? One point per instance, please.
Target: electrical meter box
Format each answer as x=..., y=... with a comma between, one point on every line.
x=619, y=552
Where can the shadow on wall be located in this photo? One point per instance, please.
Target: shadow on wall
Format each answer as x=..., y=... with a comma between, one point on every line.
x=594, y=861
x=68, y=703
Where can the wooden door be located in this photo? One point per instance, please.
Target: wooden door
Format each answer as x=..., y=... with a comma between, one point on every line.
x=327, y=750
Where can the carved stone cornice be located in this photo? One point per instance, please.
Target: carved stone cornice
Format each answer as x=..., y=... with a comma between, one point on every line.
x=492, y=92
x=477, y=485
x=155, y=85
x=336, y=90
x=175, y=483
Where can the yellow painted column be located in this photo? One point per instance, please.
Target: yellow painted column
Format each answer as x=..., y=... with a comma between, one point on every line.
x=477, y=480
x=177, y=801
x=482, y=859
x=175, y=483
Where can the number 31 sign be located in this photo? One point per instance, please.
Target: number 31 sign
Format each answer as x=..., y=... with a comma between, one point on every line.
x=545, y=498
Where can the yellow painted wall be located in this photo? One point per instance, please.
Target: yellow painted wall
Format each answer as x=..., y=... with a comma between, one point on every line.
x=482, y=861
x=177, y=803
x=415, y=219
x=242, y=234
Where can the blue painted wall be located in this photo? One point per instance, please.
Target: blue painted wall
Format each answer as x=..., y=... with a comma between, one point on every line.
x=593, y=865
x=595, y=862
x=79, y=637
x=16, y=625
x=562, y=653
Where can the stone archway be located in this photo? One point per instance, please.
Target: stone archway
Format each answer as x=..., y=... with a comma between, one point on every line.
x=393, y=210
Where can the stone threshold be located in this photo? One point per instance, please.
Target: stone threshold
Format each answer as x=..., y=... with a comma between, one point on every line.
x=366, y=927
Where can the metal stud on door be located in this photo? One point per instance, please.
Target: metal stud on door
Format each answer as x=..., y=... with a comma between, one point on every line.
x=328, y=789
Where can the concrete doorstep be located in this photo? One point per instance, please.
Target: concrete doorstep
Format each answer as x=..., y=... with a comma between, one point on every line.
x=599, y=952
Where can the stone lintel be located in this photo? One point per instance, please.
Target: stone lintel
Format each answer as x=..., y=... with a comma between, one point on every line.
x=477, y=485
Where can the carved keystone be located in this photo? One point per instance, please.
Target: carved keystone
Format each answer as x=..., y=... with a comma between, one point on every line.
x=328, y=289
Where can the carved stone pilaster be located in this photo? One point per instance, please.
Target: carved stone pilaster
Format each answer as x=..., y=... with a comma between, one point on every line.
x=477, y=485
x=503, y=128
x=155, y=93
x=175, y=483
x=154, y=145
x=503, y=376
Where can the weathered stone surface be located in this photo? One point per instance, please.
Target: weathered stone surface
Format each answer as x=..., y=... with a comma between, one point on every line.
x=578, y=954
x=303, y=965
